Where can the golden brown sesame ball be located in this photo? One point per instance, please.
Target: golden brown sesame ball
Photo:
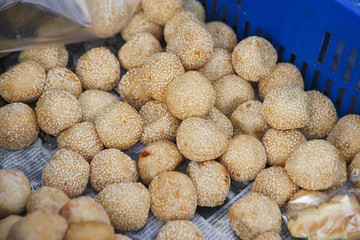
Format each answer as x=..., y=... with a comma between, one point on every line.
x=287, y=107
x=81, y=138
x=67, y=171
x=254, y=58
x=122, y=237
x=56, y=111
x=119, y=126
x=179, y=230
x=18, y=128
x=248, y=119
x=231, y=91
x=244, y=158
x=63, y=79
x=112, y=166
x=283, y=74
x=316, y=165
x=46, y=198
x=279, y=144
x=23, y=82
x=211, y=181
x=93, y=102
x=159, y=70
x=140, y=47
x=269, y=236
x=90, y=230
x=83, y=209
x=222, y=35
x=161, y=11
x=190, y=95
x=196, y=8
x=201, y=140
x=345, y=136
x=173, y=196
x=323, y=116
x=98, y=69
x=221, y=121
x=158, y=157
x=304, y=199
x=253, y=215
x=47, y=57
x=6, y=224
x=127, y=205
x=14, y=192
x=354, y=170
x=192, y=43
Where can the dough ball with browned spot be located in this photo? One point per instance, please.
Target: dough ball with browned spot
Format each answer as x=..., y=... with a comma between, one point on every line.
x=63, y=79
x=269, y=236
x=221, y=121
x=179, y=230
x=90, y=230
x=161, y=11
x=6, y=224
x=46, y=198
x=196, y=8
x=223, y=35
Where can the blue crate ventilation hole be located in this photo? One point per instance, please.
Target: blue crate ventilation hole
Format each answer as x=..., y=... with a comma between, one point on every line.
x=321, y=38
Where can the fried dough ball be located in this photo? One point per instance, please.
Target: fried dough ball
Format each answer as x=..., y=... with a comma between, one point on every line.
x=179, y=230
x=161, y=11
x=90, y=230
x=222, y=35
x=63, y=79
x=46, y=198
x=6, y=224
x=221, y=121
x=196, y=8
x=269, y=236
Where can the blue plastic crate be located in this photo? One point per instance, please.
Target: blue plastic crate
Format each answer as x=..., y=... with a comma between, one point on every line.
x=321, y=37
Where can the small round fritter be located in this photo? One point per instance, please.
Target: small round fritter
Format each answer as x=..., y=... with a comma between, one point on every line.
x=222, y=35
x=323, y=116
x=179, y=230
x=161, y=11
x=173, y=196
x=158, y=157
x=287, y=108
x=244, y=158
x=90, y=230
x=254, y=215
x=231, y=91
x=284, y=74
x=127, y=205
x=190, y=95
x=98, y=69
x=23, y=82
x=279, y=144
x=221, y=121
x=218, y=66
x=354, y=170
x=46, y=198
x=56, y=111
x=119, y=126
x=18, y=128
x=201, y=140
x=112, y=166
x=47, y=57
x=211, y=181
x=192, y=43
x=269, y=236
x=6, y=224
x=67, y=171
x=254, y=58
x=63, y=79
x=140, y=47
x=196, y=8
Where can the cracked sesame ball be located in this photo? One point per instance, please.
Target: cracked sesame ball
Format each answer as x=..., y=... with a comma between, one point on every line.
x=90, y=230
x=6, y=224
x=46, y=198
x=179, y=230
x=161, y=11
x=221, y=121
x=222, y=35
x=63, y=79
x=196, y=8
x=269, y=236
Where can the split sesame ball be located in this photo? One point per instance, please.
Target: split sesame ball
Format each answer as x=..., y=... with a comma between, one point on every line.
x=179, y=230
x=63, y=79
x=222, y=35
x=161, y=11
x=221, y=121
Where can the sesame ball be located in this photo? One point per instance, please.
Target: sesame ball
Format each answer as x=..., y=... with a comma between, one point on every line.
x=248, y=119
x=190, y=95
x=119, y=126
x=287, y=108
x=67, y=171
x=345, y=136
x=160, y=123
x=14, y=192
x=244, y=158
x=90, y=230
x=159, y=71
x=323, y=116
x=6, y=224
x=221, y=121
x=127, y=205
x=18, y=128
x=23, y=82
x=98, y=69
x=161, y=11
x=222, y=35
x=56, y=111
x=196, y=8
x=63, y=79
x=93, y=102
x=122, y=237
x=254, y=215
x=283, y=74
x=82, y=139
x=112, y=166
x=316, y=165
x=173, y=196
x=201, y=140
x=354, y=170
x=2, y=102
x=231, y=91
x=139, y=48
x=179, y=230
x=211, y=181
x=269, y=236
x=254, y=58
x=279, y=144
x=48, y=57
